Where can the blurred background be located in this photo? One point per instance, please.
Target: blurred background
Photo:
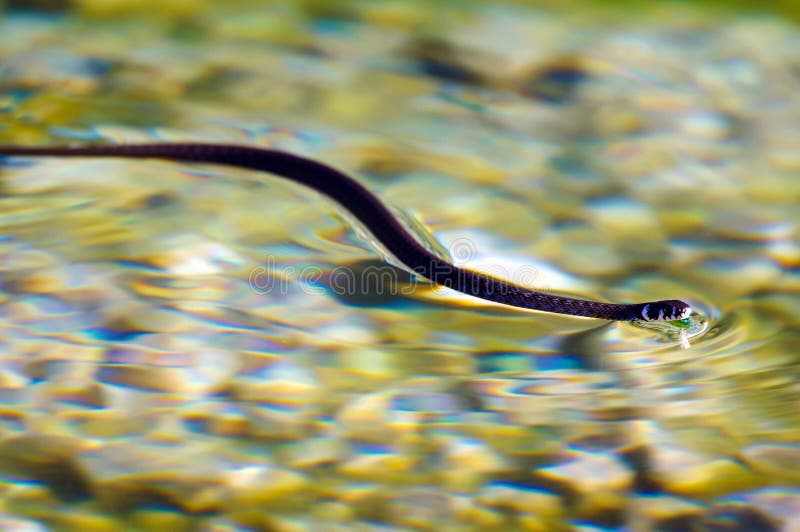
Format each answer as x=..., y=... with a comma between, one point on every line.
x=190, y=347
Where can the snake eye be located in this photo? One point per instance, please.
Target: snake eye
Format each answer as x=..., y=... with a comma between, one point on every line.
x=683, y=311
x=676, y=310
x=669, y=310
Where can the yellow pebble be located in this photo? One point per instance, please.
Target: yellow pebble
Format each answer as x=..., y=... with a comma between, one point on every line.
x=713, y=479
x=161, y=520
x=86, y=522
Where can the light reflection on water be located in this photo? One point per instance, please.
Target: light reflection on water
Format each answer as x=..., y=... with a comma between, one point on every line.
x=173, y=323
x=168, y=328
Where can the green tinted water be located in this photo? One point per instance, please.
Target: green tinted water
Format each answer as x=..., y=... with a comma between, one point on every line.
x=200, y=348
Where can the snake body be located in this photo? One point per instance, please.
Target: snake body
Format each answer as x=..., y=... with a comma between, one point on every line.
x=370, y=211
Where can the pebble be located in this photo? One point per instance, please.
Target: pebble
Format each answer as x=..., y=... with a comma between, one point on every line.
x=777, y=461
x=421, y=509
x=470, y=455
x=391, y=417
x=734, y=278
x=751, y=225
x=468, y=510
x=279, y=396
x=219, y=419
x=624, y=218
x=683, y=472
x=599, y=481
x=87, y=521
x=49, y=459
x=280, y=382
x=378, y=464
x=154, y=519
x=150, y=378
x=128, y=476
x=779, y=505
x=585, y=252
x=315, y=452
x=663, y=512
x=467, y=463
x=259, y=486
x=166, y=9
x=521, y=500
x=9, y=522
x=738, y=517
x=371, y=365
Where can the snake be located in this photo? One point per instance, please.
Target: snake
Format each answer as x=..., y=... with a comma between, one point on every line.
x=374, y=214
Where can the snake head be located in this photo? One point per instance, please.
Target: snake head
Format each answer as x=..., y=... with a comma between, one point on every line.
x=667, y=310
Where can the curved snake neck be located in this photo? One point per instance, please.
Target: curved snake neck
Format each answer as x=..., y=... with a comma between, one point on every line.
x=370, y=211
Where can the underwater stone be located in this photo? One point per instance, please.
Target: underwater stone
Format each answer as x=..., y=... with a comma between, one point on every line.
x=421, y=508
x=134, y=473
x=468, y=510
x=47, y=458
x=18, y=524
x=256, y=486
x=691, y=474
x=663, y=512
x=586, y=472
x=521, y=499
x=470, y=455
x=781, y=505
x=780, y=462
x=378, y=464
x=317, y=451
x=739, y=517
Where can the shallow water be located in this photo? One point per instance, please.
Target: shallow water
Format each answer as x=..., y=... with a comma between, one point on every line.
x=199, y=348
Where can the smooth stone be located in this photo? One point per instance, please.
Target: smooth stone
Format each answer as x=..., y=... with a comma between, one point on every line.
x=624, y=218
x=421, y=508
x=781, y=462
x=333, y=511
x=217, y=418
x=221, y=524
x=272, y=423
x=468, y=510
x=278, y=382
x=108, y=423
x=663, y=512
x=469, y=455
x=255, y=486
x=372, y=365
x=705, y=125
x=164, y=9
x=784, y=252
x=131, y=474
x=521, y=500
x=50, y=459
x=154, y=519
x=317, y=451
x=587, y=472
x=19, y=524
x=151, y=378
x=739, y=517
x=581, y=251
x=366, y=417
x=85, y=521
x=189, y=255
x=734, y=278
x=781, y=505
x=751, y=225
x=378, y=465
x=709, y=478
